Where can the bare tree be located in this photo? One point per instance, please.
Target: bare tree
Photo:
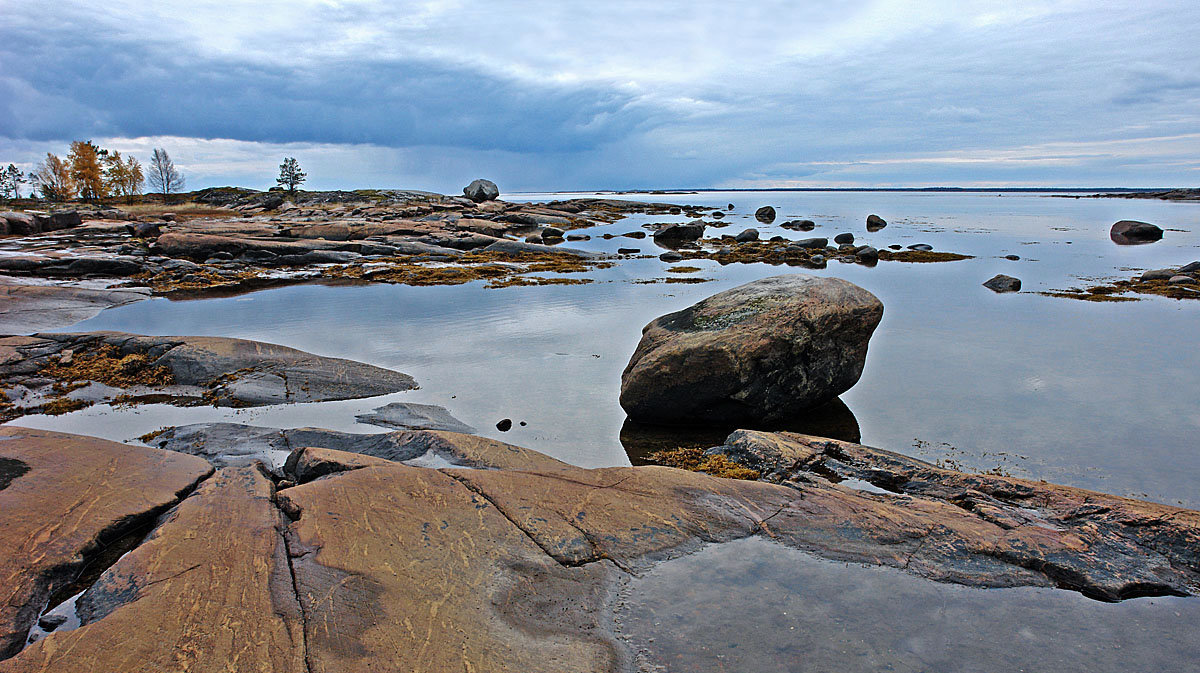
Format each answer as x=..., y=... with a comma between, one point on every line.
x=163, y=177
x=290, y=175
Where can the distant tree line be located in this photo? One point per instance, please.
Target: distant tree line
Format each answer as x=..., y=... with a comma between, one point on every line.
x=92, y=173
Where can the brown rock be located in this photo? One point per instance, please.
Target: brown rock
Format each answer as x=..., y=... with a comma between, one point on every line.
x=210, y=590
x=762, y=352
x=434, y=578
x=71, y=495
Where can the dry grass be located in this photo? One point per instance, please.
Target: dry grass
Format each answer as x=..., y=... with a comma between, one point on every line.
x=184, y=211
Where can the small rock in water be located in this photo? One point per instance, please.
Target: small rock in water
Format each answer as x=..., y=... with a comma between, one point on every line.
x=578, y=237
x=799, y=225
x=718, y=215
x=729, y=207
x=1003, y=283
x=813, y=242
x=875, y=223
x=635, y=234
x=51, y=622
x=867, y=255
x=817, y=260
x=844, y=238
x=747, y=235
x=1012, y=257
x=893, y=246
x=766, y=214
x=681, y=232
x=670, y=256
x=1132, y=232
x=923, y=247
x=504, y=425
x=552, y=232
x=629, y=251
x=1159, y=274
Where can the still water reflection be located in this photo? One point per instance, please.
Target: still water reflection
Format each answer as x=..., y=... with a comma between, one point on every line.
x=753, y=605
x=1096, y=395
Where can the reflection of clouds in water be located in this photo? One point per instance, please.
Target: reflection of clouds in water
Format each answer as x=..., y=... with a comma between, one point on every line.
x=1067, y=383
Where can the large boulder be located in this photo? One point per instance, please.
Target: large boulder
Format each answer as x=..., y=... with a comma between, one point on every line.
x=481, y=190
x=681, y=232
x=1132, y=232
x=762, y=352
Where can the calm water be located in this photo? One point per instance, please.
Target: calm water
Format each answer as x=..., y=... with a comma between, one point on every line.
x=753, y=605
x=1102, y=396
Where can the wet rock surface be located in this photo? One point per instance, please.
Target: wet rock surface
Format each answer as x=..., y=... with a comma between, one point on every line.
x=26, y=308
x=54, y=373
x=1002, y=283
x=65, y=498
x=762, y=352
x=337, y=563
x=410, y=416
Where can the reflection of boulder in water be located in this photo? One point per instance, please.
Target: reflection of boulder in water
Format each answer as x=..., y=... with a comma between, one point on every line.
x=832, y=419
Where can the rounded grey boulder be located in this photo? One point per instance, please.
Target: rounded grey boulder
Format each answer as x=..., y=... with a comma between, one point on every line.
x=481, y=190
x=766, y=214
x=763, y=352
x=1003, y=283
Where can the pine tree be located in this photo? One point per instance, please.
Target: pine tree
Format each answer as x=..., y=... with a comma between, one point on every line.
x=290, y=175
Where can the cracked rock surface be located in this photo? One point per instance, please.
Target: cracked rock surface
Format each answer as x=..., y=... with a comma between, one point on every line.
x=352, y=562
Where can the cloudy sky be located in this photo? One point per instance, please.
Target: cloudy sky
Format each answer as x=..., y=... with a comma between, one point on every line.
x=612, y=95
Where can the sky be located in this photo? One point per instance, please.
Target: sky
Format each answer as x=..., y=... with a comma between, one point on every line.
x=566, y=95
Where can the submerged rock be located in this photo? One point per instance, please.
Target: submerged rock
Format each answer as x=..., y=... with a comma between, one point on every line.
x=414, y=417
x=799, y=225
x=481, y=190
x=1132, y=232
x=761, y=352
x=1003, y=283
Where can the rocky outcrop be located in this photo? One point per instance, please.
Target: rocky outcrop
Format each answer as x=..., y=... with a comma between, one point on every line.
x=65, y=499
x=759, y=353
x=1132, y=232
x=481, y=190
x=48, y=372
x=976, y=529
x=356, y=563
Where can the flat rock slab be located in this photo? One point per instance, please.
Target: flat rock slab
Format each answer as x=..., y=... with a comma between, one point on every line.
x=410, y=416
x=976, y=529
x=209, y=590
x=236, y=444
x=62, y=497
x=30, y=308
x=209, y=370
x=370, y=565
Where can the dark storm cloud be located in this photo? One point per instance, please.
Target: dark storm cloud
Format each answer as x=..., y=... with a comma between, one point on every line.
x=70, y=83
